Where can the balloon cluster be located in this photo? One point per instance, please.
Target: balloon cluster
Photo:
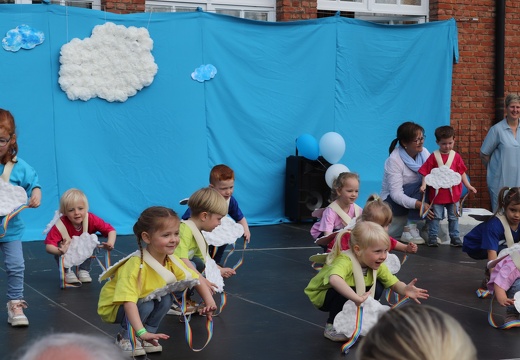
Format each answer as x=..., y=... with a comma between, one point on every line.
x=331, y=147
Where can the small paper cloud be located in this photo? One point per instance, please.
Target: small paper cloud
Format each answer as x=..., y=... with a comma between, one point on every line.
x=11, y=197
x=204, y=72
x=22, y=37
x=113, y=64
x=443, y=178
x=226, y=233
x=345, y=321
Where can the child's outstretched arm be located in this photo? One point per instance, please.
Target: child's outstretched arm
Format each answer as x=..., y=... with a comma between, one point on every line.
x=202, y=279
x=111, y=240
x=205, y=294
x=410, y=290
x=132, y=313
x=344, y=289
x=247, y=233
x=501, y=296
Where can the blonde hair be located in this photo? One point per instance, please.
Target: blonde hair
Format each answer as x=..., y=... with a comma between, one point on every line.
x=72, y=197
x=417, y=332
x=377, y=210
x=364, y=235
x=207, y=200
x=339, y=182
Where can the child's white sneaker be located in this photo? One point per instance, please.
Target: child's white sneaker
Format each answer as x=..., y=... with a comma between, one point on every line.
x=126, y=346
x=71, y=278
x=15, y=315
x=151, y=348
x=331, y=334
x=411, y=234
x=84, y=276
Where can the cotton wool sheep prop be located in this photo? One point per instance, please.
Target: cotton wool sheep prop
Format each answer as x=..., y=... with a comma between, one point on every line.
x=345, y=321
x=11, y=197
x=113, y=64
x=226, y=233
x=443, y=178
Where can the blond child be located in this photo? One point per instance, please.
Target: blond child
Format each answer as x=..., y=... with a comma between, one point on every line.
x=74, y=222
x=333, y=285
x=222, y=179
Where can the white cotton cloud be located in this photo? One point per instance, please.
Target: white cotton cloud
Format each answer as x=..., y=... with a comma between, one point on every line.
x=443, y=178
x=11, y=197
x=345, y=321
x=212, y=273
x=80, y=249
x=393, y=263
x=113, y=64
x=226, y=233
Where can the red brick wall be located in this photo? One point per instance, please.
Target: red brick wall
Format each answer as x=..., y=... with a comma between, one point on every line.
x=291, y=10
x=123, y=6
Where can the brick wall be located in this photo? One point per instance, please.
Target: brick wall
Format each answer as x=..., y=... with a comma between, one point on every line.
x=123, y=6
x=291, y=10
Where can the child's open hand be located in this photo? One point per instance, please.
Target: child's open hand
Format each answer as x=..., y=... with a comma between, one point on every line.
x=414, y=292
x=152, y=338
x=506, y=301
x=361, y=299
x=63, y=246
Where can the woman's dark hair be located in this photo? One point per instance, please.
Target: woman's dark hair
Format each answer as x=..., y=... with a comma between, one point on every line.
x=406, y=132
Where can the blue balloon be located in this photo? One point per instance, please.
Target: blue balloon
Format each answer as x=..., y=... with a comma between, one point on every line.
x=464, y=188
x=308, y=146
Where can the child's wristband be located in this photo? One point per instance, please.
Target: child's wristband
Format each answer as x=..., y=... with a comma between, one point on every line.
x=141, y=332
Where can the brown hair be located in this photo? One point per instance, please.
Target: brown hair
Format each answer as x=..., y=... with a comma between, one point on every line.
x=7, y=123
x=444, y=132
x=406, y=132
x=377, y=210
x=221, y=173
x=507, y=196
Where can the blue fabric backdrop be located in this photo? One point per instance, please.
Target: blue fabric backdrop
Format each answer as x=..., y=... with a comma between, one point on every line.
x=275, y=81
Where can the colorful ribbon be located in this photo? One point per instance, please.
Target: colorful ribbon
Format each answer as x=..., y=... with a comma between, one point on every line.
x=483, y=293
x=12, y=214
x=187, y=328
x=61, y=267
x=505, y=326
x=241, y=261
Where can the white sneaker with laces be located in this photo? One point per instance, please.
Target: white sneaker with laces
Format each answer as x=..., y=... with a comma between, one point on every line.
x=15, y=315
x=126, y=346
x=151, y=348
x=411, y=234
x=71, y=278
x=331, y=334
x=84, y=276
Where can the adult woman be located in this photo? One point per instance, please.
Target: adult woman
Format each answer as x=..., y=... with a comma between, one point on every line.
x=500, y=151
x=402, y=182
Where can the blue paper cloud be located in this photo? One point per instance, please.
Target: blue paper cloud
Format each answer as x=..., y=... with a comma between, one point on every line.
x=22, y=37
x=204, y=72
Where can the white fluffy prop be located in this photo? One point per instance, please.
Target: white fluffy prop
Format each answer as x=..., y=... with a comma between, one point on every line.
x=11, y=197
x=345, y=321
x=226, y=233
x=113, y=64
x=80, y=249
x=212, y=274
x=393, y=263
x=509, y=250
x=55, y=219
x=443, y=178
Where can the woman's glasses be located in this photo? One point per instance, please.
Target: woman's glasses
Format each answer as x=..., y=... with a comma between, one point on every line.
x=420, y=140
x=4, y=142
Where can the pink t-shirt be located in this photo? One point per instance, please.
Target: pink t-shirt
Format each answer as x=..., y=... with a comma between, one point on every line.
x=504, y=274
x=330, y=221
x=345, y=243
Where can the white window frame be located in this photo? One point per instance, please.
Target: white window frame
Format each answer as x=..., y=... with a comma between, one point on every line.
x=265, y=6
x=370, y=6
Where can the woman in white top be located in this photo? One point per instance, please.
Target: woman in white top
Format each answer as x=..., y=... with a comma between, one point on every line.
x=402, y=182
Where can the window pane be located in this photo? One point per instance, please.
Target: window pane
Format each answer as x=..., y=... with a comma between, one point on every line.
x=358, y=1
x=228, y=12
x=411, y=2
x=386, y=1
x=6, y=1
x=255, y=15
x=158, y=8
x=185, y=9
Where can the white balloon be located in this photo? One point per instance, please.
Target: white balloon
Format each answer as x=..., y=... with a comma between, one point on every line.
x=333, y=172
x=332, y=147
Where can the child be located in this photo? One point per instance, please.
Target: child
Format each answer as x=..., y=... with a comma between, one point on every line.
x=333, y=285
x=74, y=221
x=378, y=211
x=417, y=332
x=487, y=239
x=207, y=208
x=139, y=292
x=504, y=282
x=16, y=172
x=222, y=179
x=345, y=191
x=442, y=198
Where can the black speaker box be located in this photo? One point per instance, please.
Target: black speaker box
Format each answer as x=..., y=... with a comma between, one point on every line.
x=305, y=187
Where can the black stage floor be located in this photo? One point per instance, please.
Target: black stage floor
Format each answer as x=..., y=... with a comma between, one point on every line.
x=267, y=314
